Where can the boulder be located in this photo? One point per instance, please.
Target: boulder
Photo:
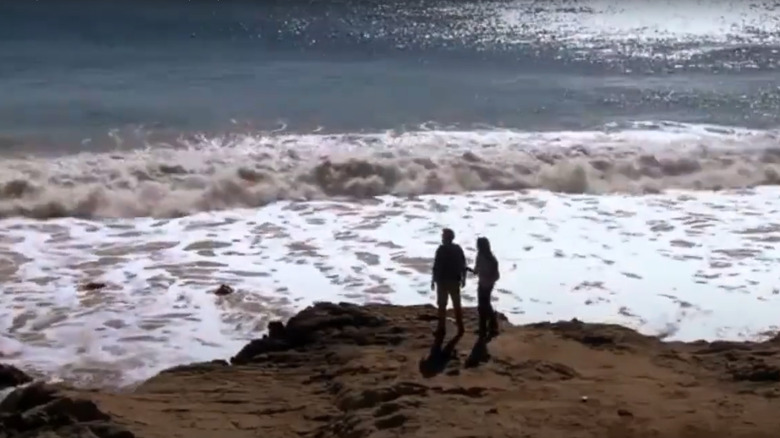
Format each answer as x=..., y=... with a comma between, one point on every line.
x=322, y=323
x=41, y=410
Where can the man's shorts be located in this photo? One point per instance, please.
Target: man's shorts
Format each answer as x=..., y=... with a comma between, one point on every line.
x=445, y=290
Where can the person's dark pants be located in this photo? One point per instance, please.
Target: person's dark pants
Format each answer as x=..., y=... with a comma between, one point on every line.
x=488, y=322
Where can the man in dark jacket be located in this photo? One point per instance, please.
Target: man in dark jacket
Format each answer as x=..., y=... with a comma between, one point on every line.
x=449, y=276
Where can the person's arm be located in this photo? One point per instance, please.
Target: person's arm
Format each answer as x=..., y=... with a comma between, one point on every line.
x=498, y=272
x=464, y=268
x=477, y=265
x=435, y=272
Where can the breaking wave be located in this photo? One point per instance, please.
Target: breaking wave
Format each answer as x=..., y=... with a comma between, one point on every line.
x=203, y=173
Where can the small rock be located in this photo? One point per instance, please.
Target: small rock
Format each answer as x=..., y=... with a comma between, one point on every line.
x=223, y=290
x=492, y=411
x=624, y=413
x=584, y=398
x=93, y=285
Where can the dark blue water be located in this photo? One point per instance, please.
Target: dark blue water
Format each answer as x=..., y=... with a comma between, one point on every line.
x=73, y=72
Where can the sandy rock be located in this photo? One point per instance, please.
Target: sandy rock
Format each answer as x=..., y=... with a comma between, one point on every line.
x=374, y=371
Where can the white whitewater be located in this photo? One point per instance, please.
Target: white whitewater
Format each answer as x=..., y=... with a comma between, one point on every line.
x=685, y=265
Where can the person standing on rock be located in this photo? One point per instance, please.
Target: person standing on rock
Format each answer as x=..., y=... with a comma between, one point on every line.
x=486, y=269
x=449, y=276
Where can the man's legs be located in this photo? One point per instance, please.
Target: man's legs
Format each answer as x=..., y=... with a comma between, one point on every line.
x=456, y=305
x=442, y=295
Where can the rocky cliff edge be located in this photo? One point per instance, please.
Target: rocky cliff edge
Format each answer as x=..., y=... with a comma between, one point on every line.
x=374, y=371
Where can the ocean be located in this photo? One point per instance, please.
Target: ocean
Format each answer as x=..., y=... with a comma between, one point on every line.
x=623, y=157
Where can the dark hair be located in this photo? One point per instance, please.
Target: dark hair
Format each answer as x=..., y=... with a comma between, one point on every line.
x=483, y=247
x=448, y=234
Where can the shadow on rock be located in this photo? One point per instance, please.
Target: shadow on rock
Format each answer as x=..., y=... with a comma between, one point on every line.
x=438, y=357
x=479, y=353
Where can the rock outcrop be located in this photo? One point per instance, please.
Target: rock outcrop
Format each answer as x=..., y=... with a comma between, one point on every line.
x=341, y=370
x=12, y=376
x=34, y=409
